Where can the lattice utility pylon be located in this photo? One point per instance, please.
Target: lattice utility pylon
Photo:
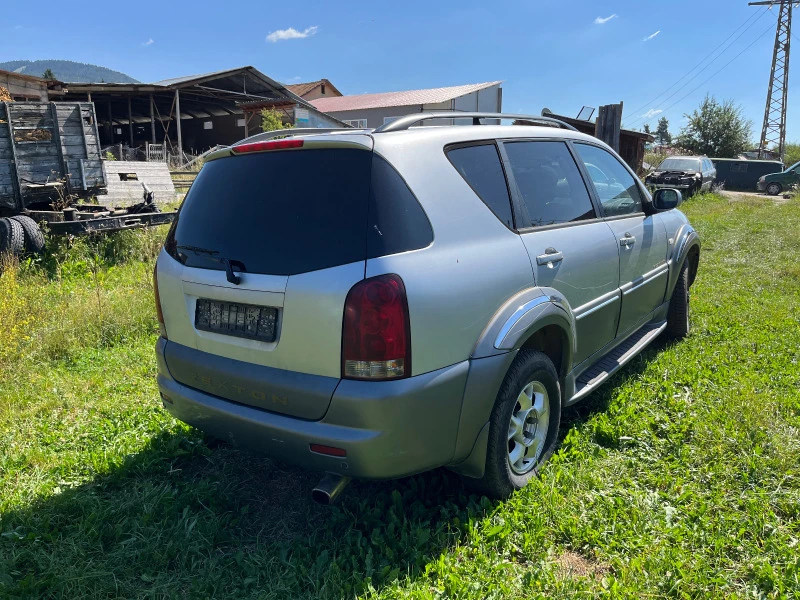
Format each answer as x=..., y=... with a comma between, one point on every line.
x=773, y=133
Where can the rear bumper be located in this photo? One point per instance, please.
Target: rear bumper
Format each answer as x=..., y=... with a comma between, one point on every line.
x=389, y=429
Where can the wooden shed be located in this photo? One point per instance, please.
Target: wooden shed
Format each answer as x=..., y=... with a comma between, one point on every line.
x=188, y=114
x=26, y=88
x=631, y=143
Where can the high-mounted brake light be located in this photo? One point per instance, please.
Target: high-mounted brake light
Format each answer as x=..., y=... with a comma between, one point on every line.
x=376, y=334
x=161, y=327
x=269, y=145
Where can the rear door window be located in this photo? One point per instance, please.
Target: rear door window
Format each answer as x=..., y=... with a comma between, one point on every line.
x=549, y=182
x=481, y=168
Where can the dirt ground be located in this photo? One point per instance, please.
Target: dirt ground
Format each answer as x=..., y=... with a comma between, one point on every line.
x=738, y=196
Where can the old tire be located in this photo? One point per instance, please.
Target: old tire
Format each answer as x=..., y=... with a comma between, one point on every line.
x=678, y=321
x=523, y=427
x=12, y=237
x=774, y=188
x=34, y=238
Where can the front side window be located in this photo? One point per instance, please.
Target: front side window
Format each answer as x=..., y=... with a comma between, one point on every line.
x=550, y=183
x=616, y=187
x=481, y=169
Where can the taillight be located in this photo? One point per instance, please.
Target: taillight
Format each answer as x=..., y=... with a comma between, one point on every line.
x=269, y=145
x=376, y=336
x=161, y=327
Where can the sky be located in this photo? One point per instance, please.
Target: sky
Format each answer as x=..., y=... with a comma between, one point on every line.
x=659, y=58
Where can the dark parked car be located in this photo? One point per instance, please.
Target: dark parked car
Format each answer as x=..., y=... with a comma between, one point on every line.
x=775, y=183
x=690, y=174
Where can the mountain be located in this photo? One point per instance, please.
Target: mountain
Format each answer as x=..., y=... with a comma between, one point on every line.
x=67, y=70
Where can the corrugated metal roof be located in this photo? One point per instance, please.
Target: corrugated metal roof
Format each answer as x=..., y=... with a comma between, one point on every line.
x=187, y=78
x=407, y=98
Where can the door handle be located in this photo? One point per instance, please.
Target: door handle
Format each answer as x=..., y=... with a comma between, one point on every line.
x=628, y=240
x=550, y=257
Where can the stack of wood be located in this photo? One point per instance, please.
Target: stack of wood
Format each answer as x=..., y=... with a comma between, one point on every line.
x=4, y=95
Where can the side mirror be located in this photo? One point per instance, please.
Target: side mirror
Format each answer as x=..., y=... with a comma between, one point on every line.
x=667, y=199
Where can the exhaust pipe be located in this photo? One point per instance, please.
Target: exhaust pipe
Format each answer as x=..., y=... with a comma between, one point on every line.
x=329, y=487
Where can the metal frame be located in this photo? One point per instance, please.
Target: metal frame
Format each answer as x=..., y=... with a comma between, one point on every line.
x=404, y=123
x=773, y=131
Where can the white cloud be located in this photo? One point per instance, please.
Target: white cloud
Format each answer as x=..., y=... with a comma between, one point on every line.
x=652, y=113
x=17, y=26
x=291, y=34
x=651, y=36
x=149, y=42
x=604, y=20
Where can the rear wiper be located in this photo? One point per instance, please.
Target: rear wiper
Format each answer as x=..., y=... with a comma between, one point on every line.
x=198, y=250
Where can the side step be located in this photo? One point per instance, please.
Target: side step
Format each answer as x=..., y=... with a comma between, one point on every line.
x=612, y=362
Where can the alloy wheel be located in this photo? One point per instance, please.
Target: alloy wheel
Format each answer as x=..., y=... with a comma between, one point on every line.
x=527, y=429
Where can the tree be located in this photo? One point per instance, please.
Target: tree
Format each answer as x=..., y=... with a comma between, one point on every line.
x=792, y=154
x=663, y=136
x=271, y=120
x=716, y=129
x=48, y=74
x=647, y=128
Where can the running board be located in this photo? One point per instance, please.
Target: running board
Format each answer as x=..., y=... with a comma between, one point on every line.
x=612, y=362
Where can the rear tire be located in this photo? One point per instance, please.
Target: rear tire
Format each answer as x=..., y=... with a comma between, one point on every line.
x=12, y=237
x=523, y=427
x=678, y=321
x=34, y=238
x=773, y=189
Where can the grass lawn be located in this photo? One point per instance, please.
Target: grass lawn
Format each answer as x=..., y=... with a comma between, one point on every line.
x=680, y=478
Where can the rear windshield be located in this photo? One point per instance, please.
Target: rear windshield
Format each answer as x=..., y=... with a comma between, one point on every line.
x=290, y=212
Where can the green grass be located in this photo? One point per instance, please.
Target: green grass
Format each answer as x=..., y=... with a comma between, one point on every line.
x=679, y=479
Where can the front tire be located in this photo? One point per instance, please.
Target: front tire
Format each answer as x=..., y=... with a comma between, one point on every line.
x=523, y=427
x=773, y=189
x=678, y=321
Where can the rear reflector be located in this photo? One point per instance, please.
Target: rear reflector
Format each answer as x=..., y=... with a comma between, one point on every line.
x=376, y=336
x=159, y=314
x=329, y=450
x=270, y=145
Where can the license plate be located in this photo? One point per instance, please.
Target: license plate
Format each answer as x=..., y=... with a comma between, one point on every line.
x=238, y=320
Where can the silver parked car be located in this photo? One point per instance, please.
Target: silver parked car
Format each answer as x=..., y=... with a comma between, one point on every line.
x=379, y=303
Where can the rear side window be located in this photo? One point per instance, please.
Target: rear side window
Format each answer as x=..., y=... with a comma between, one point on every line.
x=549, y=182
x=396, y=222
x=276, y=213
x=481, y=169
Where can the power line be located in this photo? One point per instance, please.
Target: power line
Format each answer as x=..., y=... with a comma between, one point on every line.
x=750, y=45
x=720, y=46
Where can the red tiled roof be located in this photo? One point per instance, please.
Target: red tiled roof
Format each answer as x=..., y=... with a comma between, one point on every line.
x=407, y=98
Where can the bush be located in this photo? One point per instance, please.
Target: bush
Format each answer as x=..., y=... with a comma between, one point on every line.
x=81, y=293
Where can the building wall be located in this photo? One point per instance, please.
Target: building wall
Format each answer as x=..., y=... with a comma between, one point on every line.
x=488, y=100
x=22, y=88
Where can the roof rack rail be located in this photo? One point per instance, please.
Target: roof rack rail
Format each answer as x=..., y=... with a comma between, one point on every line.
x=268, y=135
x=404, y=123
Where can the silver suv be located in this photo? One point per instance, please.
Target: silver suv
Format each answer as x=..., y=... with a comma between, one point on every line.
x=375, y=304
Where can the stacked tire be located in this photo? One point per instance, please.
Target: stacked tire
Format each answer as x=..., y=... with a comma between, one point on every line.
x=20, y=234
